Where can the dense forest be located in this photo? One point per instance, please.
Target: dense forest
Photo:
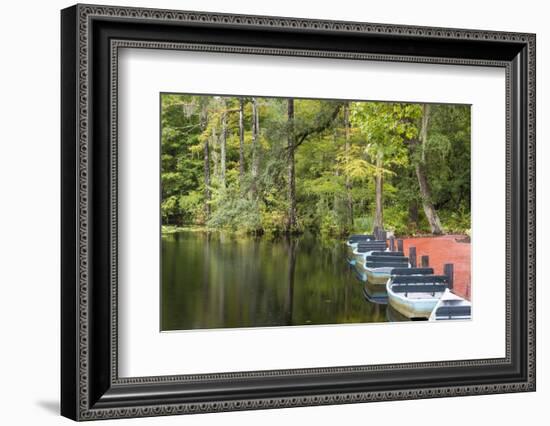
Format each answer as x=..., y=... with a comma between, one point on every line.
x=260, y=165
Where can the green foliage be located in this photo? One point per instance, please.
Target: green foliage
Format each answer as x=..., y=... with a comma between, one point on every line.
x=396, y=219
x=384, y=134
x=363, y=223
x=334, y=165
x=190, y=206
x=456, y=222
x=448, y=155
x=234, y=213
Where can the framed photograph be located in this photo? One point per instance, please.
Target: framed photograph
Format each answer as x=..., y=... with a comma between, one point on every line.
x=263, y=212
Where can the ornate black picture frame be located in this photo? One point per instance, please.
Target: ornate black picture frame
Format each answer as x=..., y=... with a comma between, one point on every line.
x=91, y=36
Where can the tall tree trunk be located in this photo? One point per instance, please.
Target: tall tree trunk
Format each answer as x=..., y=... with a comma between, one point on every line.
x=347, y=153
x=223, y=142
x=425, y=190
x=292, y=223
x=241, y=139
x=255, y=145
x=379, y=183
x=337, y=196
x=206, y=154
x=214, y=152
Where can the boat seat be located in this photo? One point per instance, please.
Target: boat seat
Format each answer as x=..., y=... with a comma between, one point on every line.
x=388, y=253
x=418, y=288
x=359, y=237
x=384, y=264
x=372, y=243
x=412, y=271
x=454, y=311
x=420, y=279
x=371, y=246
x=387, y=259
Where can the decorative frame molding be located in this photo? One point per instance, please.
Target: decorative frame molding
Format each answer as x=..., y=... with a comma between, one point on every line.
x=91, y=37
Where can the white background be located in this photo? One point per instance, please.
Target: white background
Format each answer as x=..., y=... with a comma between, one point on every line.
x=29, y=225
x=146, y=352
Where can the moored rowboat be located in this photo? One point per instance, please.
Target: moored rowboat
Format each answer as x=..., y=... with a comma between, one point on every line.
x=451, y=307
x=376, y=270
x=364, y=248
x=352, y=243
x=415, y=296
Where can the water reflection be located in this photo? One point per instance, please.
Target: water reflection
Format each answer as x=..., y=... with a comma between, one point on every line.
x=215, y=280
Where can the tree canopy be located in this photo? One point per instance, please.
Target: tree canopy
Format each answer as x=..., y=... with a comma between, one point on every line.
x=283, y=165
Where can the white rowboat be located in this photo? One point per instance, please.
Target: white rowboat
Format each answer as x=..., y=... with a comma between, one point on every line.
x=451, y=307
x=353, y=241
x=415, y=296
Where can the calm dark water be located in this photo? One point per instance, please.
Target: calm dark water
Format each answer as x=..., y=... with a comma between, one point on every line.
x=218, y=281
